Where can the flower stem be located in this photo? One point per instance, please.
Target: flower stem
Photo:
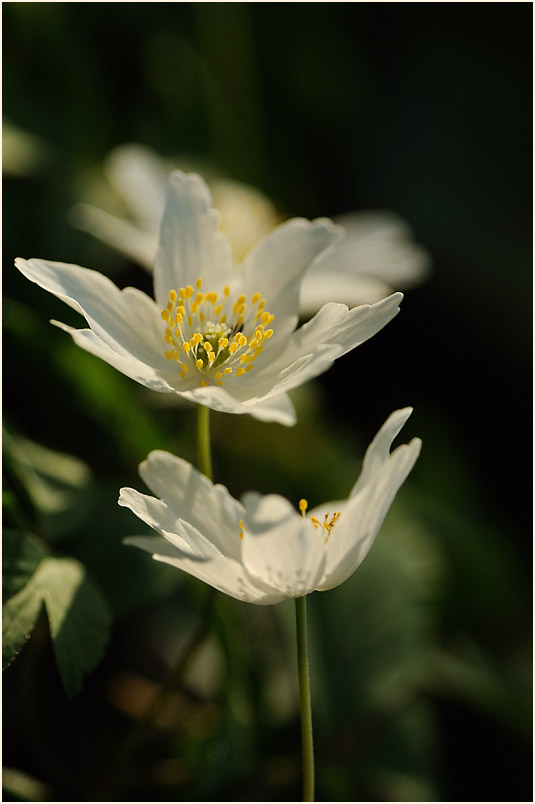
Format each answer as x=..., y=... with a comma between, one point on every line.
x=203, y=441
x=304, y=698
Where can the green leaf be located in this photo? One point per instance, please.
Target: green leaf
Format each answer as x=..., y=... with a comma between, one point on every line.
x=19, y=615
x=21, y=555
x=79, y=618
x=78, y=613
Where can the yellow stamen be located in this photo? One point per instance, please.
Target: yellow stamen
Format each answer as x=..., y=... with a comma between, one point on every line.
x=303, y=505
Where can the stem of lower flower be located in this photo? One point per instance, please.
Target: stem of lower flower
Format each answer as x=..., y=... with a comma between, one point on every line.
x=203, y=441
x=305, y=698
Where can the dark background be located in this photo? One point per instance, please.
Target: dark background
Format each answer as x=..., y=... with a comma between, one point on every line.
x=421, y=108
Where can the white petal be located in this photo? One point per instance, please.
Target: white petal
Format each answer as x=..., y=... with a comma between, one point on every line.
x=378, y=451
x=351, y=289
x=126, y=364
x=130, y=240
x=275, y=267
x=220, y=572
x=158, y=516
x=194, y=498
x=290, y=555
x=139, y=175
x=126, y=320
x=190, y=244
x=334, y=331
x=275, y=409
x=359, y=523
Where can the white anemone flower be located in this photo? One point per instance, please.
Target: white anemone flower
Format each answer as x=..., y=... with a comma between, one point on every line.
x=215, y=335
x=377, y=255
x=261, y=550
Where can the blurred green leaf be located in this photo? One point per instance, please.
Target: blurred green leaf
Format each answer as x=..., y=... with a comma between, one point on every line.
x=78, y=613
x=21, y=555
x=19, y=615
x=79, y=618
x=20, y=786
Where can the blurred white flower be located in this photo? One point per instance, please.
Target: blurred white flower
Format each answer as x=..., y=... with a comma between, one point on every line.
x=261, y=550
x=218, y=336
x=377, y=255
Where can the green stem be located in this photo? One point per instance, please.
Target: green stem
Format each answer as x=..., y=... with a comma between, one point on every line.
x=304, y=698
x=203, y=441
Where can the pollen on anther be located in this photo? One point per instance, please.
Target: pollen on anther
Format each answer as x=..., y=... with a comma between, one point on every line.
x=174, y=354
x=167, y=354
x=165, y=314
x=186, y=346
x=303, y=505
x=223, y=342
x=172, y=296
x=198, y=283
x=226, y=290
x=256, y=298
x=199, y=363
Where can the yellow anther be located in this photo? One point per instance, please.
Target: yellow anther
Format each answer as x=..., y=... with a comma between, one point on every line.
x=268, y=333
x=184, y=366
x=243, y=340
x=182, y=292
x=241, y=309
x=211, y=357
x=223, y=342
x=189, y=292
x=201, y=317
x=199, y=298
x=167, y=354
x=223, y=319
x=177, y=332
x=315, y=521
x=257, y=351
x=249, y=367
x=199, y=363
x=168, y=339
x=259, y=334
x=181, y=374
x=265, y=318
x=218, y=375
x=303, y=505
x=241, y=299
x=232, y=348
x=202, y=384
x=165, y=314
x=226, y=290
x=174, y=354
x=179, y=318
x=190, y=322
x=253, y=343
x=170, y=306
x=198, y=283
x=256, y=297
x=227, y=370
x=186, y=346
x=242, y=529
x=207, y=346
x=197, y=337
x=194, y=307
x=172, y=296
x=218, y=309
x=240, y=371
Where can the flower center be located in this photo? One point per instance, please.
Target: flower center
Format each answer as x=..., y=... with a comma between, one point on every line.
x=326, y=526
x=215, y=337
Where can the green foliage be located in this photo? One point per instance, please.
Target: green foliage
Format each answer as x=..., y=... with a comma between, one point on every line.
x=78, y=614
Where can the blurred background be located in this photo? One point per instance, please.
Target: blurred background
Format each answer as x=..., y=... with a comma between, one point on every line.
x=421, y=662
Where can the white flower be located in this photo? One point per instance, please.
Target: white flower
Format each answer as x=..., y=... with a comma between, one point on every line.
x=217, y=336
x=261, y=550
x=377, y=255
